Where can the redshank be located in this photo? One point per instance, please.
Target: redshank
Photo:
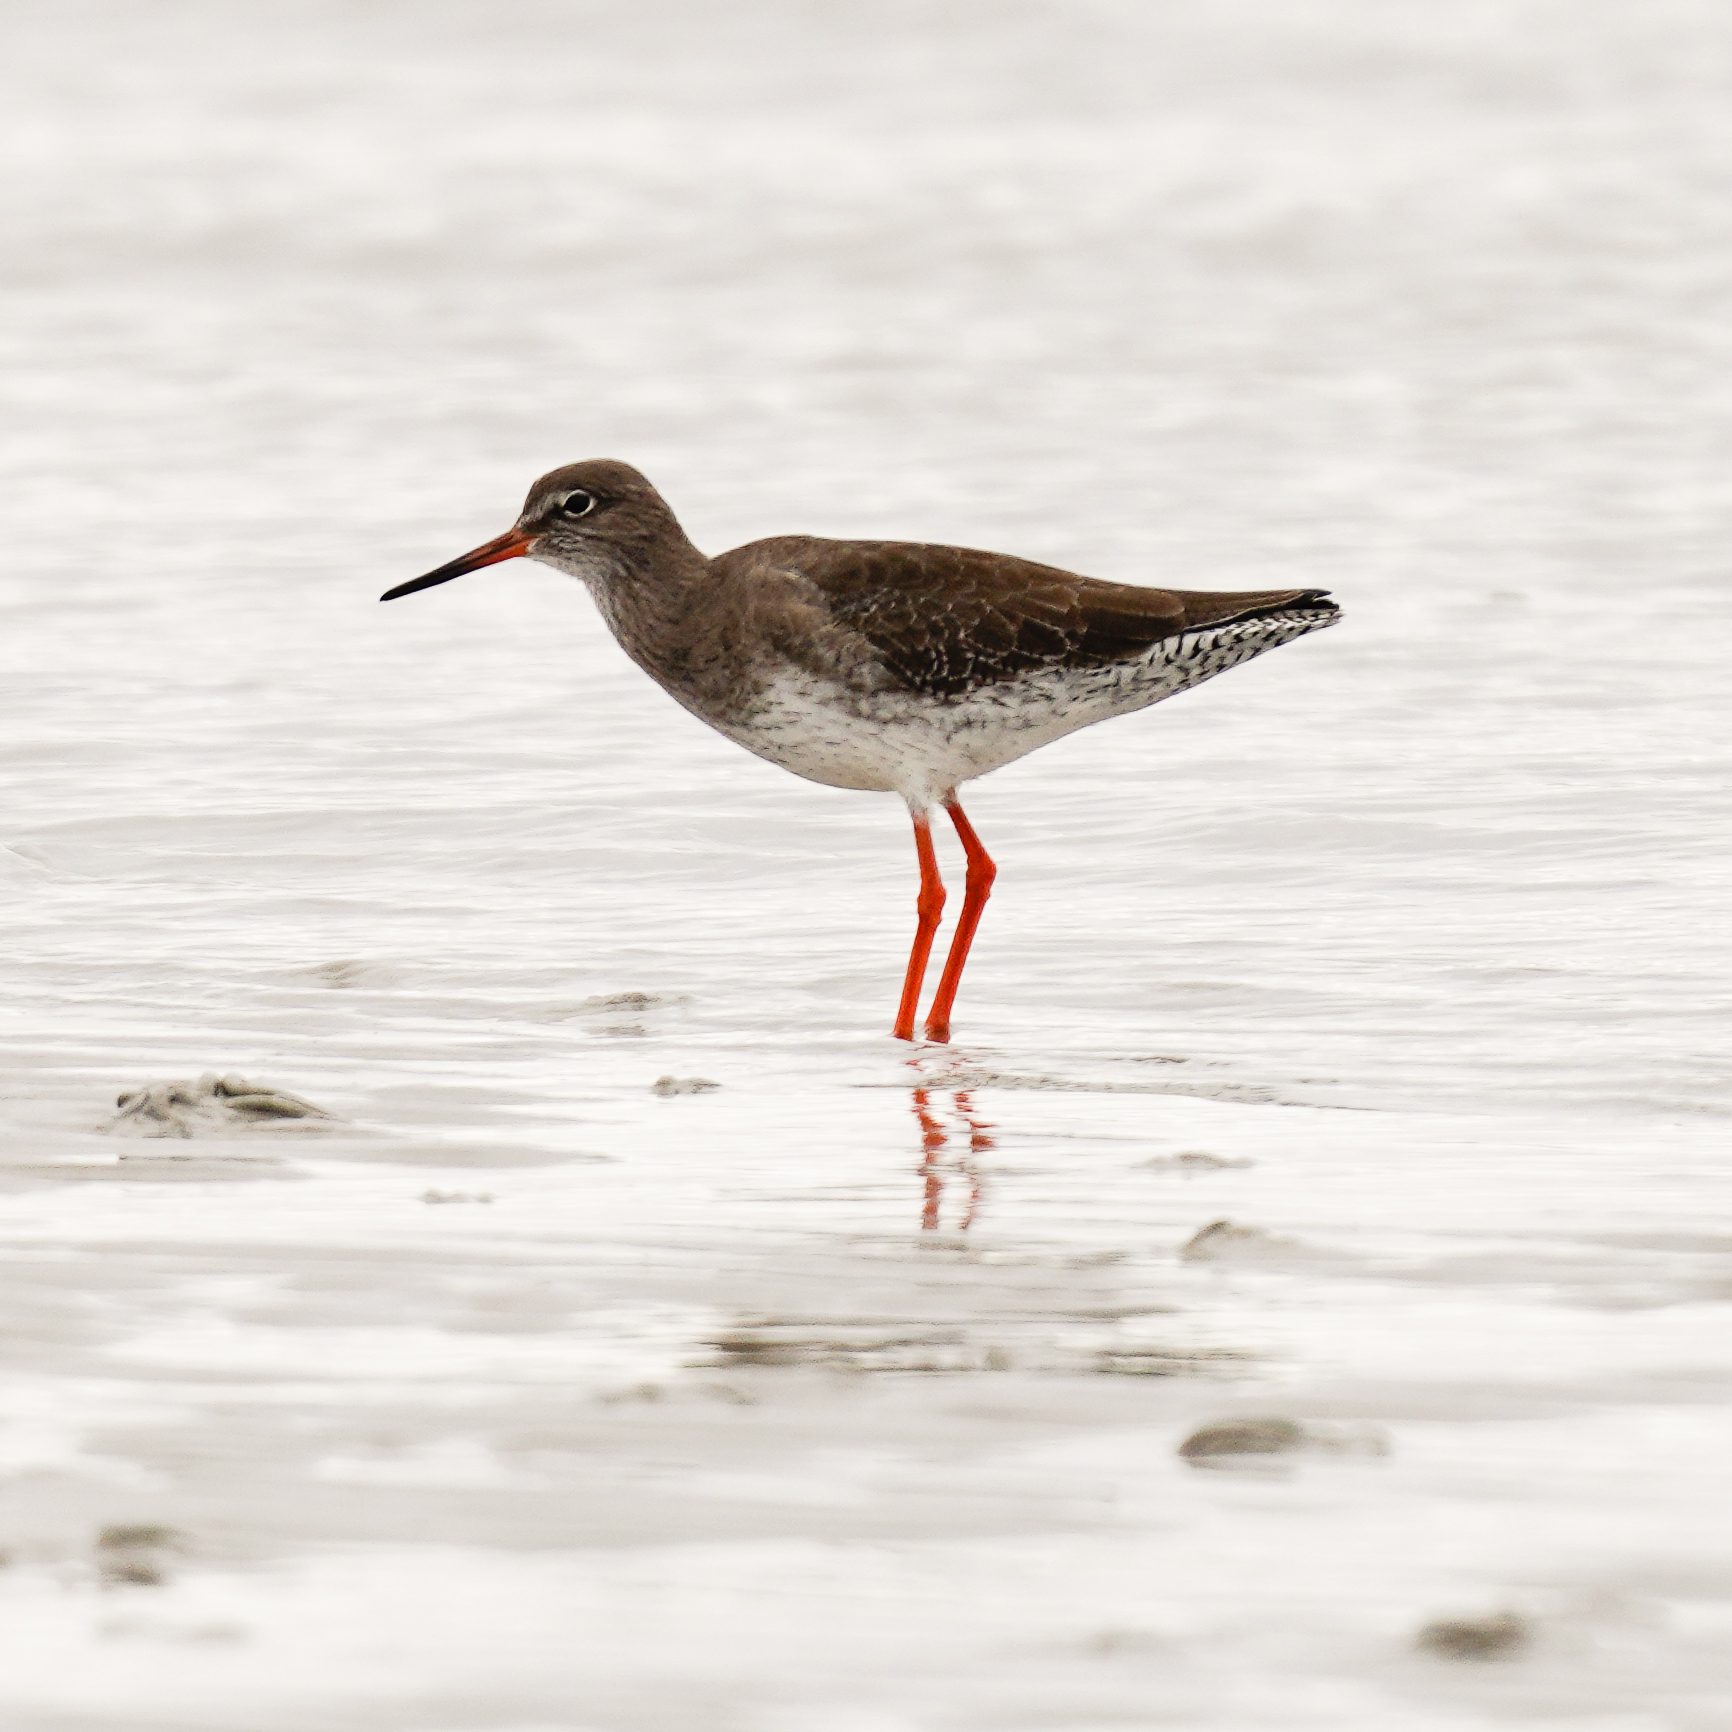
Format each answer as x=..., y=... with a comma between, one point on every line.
x=892, y=666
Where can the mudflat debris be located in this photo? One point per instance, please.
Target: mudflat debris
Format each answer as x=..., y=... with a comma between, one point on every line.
x=348, y=974
x=1231, y=1437
x=1230, y=1442
x=1167, y=1361
x=1198, y=1161
x=1495, y=1636
x=135, y=1554
x=859, y=1345
x=1229, y=1242
x=213, y=1105
x=682, y=1085
x=634, y=1001
x=1224, y=1239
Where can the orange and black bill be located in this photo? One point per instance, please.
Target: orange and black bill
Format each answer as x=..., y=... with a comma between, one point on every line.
x=513, y=544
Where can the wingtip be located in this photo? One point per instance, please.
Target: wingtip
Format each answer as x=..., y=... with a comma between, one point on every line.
x=1289, y=602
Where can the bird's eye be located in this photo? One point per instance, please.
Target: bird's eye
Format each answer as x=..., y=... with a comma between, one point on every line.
x=578, y=504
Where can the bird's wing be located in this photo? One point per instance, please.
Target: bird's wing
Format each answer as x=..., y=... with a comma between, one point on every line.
x=943, y=620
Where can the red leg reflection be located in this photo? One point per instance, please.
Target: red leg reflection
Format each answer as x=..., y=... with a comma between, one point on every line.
x=933, y=1141
x=981, y=873
x=929, y=906
x=979, y=1141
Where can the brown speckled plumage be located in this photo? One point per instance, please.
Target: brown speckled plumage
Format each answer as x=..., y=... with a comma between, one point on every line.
x=943, y=621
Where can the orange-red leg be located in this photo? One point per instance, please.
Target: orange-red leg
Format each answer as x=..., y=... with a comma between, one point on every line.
x=930, y=906
x=981, y=873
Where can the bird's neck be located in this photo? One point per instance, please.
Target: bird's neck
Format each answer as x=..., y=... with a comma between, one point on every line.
x=653, y=597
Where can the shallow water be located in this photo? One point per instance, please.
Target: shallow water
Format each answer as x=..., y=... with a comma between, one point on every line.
x=848, y=1393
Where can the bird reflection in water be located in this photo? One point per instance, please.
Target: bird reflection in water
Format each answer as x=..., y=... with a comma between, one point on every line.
x=940, y=1163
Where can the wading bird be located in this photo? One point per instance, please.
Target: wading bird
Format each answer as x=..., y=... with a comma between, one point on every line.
x=885, y=665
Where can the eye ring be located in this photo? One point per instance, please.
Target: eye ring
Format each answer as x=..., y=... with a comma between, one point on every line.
x=577, y=503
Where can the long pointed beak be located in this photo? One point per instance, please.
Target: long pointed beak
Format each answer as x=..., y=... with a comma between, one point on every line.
x=513, y=544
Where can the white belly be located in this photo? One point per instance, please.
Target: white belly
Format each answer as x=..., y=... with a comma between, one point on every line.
x=921, y=747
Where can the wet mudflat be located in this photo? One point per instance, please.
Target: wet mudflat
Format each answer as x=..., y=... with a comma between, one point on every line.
x=794, y=1393
x=1299, y=1298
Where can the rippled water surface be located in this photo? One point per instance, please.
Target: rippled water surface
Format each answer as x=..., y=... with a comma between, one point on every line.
x=848, y=1393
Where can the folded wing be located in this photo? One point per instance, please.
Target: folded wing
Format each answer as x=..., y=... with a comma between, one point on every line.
x=945, y=620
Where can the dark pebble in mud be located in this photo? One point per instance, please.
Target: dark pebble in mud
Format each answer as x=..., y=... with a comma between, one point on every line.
x=1228, y=1441
x=682, y=1085
x=131, y=1554
x=1495, y=1637
x=129, y=1571
x=1234, y=1437
x=128, y=1536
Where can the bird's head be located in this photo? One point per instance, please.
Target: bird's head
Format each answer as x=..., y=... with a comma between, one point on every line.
x=597, y=521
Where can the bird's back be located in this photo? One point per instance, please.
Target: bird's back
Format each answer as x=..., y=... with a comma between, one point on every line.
x=943, y=622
